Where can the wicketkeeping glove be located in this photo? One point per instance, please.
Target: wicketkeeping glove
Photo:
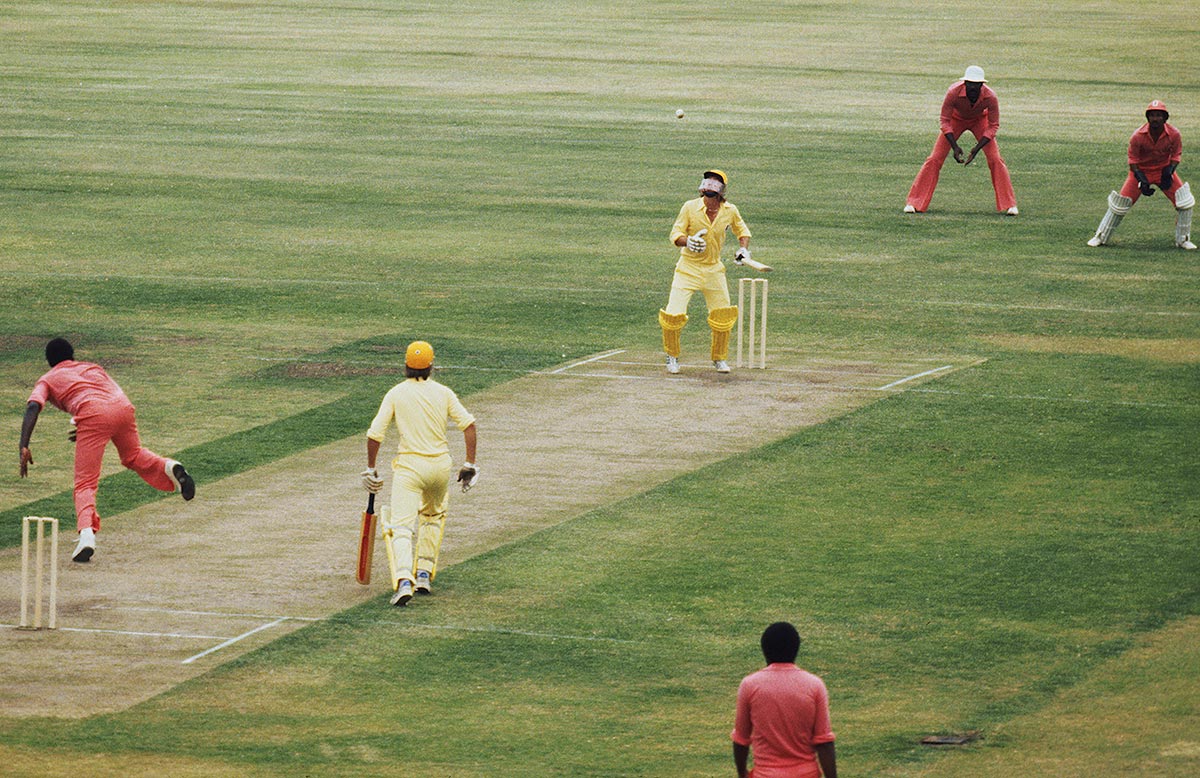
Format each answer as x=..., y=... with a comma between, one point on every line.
x=741, y=255
x=1167, y=177
x=1143, y=183
x=468, y=476
x=696, y=243
x=371, y=480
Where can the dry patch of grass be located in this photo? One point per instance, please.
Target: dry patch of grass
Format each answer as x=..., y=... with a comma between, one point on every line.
x=1173, y=350
x=1136, y=715
x=19, y=762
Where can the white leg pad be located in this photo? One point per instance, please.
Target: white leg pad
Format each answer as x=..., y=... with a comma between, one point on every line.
x=1118, y=206
x=1183, y=229
x=1184, y=199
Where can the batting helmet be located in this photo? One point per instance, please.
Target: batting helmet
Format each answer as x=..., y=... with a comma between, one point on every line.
x=419, y=355
x=717, y=174
x=1157, y=105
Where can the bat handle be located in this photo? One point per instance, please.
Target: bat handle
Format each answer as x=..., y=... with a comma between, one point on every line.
x=371, y=502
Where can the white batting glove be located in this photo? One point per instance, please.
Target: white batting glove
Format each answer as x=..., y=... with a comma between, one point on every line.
x=468, y=475
x=741, y=255
x=371, y=480
x=696, y=243
x=73, y=431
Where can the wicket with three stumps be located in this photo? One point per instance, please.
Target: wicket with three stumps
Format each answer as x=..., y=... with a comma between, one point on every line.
x=757, y=288
x=39, y=572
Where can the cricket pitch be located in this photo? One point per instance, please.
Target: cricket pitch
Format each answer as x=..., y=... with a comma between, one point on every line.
x=178, y=588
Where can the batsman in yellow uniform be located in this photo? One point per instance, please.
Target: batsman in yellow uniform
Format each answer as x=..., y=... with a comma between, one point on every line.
x=412, y=528
x=699, y=232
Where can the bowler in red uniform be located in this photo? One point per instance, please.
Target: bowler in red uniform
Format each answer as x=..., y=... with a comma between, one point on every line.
x=100, y=412
x=969, y=106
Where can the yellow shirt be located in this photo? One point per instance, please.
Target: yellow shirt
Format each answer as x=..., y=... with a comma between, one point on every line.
x=693, y=218
x=420, y=410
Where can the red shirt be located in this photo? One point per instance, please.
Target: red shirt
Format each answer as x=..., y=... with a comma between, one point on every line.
x=782, y=713
x=1146, y=152
x=72, y=386
x=957, y=108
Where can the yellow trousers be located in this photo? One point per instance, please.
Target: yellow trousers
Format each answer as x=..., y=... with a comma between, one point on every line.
x=413, y=525
x=691, y=278
x=710, y=281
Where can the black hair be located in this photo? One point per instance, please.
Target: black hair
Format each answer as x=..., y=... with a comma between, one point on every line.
x=59, y=350
x=780, y=643
x=419, y=374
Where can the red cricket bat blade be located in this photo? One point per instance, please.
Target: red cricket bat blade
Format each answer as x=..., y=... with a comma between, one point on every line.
x=366, y=543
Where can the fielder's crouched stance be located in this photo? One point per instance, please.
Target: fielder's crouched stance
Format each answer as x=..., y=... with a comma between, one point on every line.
x=699, y=232
x=413, y=524
x=1154, y=152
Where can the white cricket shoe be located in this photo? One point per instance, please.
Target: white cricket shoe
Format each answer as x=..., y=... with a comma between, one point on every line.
x=183, y=482
x=1012, y=211
x=1186, y=244
x=721, y=365
x=672, y=365
x=424, y=584
x=85, y=547
x=1095, y=241
x=909, y=209
x=404, y=593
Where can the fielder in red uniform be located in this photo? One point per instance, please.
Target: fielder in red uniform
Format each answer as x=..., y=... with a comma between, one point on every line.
x=1154, y=152
x=969, y=106
x=101, y=412
x=782, y=715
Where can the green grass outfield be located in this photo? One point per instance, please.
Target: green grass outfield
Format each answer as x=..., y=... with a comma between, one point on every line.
x=240, y=208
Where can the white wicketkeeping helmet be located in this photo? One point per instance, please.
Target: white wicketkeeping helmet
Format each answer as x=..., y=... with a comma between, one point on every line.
x=974, y=73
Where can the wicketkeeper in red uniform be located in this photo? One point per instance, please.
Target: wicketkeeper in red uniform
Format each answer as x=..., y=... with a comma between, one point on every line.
x=969, y=106
x=1154, y=153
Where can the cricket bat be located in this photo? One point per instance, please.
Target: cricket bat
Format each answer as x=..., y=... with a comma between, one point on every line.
x=754, y=264
x=366, y=542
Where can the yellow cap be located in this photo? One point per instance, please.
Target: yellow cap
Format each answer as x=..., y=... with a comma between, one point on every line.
x=419, y=355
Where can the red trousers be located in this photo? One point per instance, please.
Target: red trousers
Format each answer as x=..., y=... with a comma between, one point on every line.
x=927, y=179
x=100, y=424
x=1154, y=175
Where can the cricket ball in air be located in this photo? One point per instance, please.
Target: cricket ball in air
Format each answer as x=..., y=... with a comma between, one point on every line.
x=679, y=113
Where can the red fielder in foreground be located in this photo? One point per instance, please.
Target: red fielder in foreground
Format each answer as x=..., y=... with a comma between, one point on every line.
x=1155, y=150
x=783, y=715
x=969, y=106
x=101, y=412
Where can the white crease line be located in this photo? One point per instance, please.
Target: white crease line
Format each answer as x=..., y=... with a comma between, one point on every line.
x=915, y=377
x=132, y=633
x=233, y=640
x=589, y=360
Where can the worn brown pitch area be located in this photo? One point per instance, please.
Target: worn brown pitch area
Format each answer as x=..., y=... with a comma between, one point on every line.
x=263, y=553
